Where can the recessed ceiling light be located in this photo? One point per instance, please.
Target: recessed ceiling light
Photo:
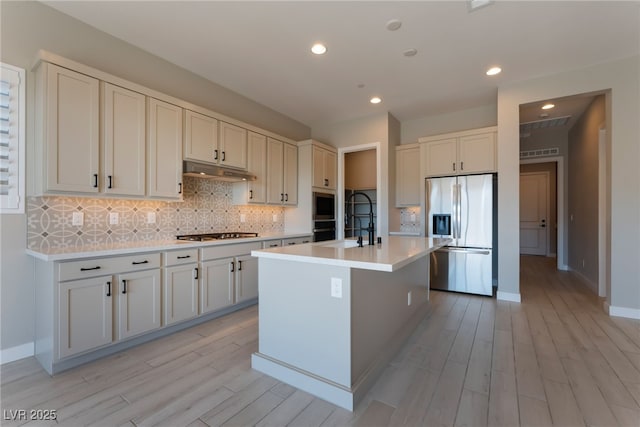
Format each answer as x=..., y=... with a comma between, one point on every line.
x=318, y=49
x=493, y=71
x=548, y=106
x=394, y=24
x=375, y=100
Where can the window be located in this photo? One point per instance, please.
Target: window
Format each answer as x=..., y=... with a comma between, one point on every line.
x=12, y=139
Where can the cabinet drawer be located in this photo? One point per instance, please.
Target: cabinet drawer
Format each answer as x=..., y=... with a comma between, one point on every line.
x=271, y=244
x=180, y=257
x=104, y=266
x=296, y=241
x=223, y=251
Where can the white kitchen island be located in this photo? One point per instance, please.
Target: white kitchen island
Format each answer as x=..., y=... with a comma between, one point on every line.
x=332, y=315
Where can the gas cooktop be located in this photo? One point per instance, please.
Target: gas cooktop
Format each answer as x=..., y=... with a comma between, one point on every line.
x=216, y=236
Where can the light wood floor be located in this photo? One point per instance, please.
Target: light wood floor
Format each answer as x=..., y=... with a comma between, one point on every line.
x=555, y=359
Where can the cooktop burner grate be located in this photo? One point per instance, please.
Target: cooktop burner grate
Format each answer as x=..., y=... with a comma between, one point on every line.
x=216, y=236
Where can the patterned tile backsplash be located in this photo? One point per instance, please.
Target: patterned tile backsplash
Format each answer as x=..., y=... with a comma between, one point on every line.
x=207, y=207
x=409, y=224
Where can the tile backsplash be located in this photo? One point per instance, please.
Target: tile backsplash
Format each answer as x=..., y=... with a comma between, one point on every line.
x=409, y=224
x=207, y=207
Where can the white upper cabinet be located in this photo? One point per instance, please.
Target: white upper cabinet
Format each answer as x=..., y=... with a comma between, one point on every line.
x=257, y=165
x=408, y=175
x=290, y=175
x=124, y=130
x=200, y=137
x=460, y=153
x=164, y=150
x=68, y=118
x=232, y=146
x=324, y=168
x=282, y=173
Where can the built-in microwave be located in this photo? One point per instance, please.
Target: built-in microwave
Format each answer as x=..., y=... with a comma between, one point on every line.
x=324, y=206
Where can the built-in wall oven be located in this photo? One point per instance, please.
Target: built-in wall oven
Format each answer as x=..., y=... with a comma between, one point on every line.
x=324, y=216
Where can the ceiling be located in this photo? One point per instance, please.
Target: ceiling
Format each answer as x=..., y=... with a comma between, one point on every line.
x=262, y=49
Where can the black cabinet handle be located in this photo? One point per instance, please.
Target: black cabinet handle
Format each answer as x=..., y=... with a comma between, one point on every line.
x=233, y=266
x=179, y=188
x=282, y=197
x=184, y=257
x=291, y=243
x=273, y=245
x=239, y=265
x=286, y=197
x=305, y=241
x=215, y=154
x=454, y=166
x=140, y=262
x=89, y=269
x=110, y=182
x=124, y=286
x=326, y=182
x=95, y=180
x=224, y=156
x=461, y=166
x=196, y=269
x=250, y=194
x=108, y=289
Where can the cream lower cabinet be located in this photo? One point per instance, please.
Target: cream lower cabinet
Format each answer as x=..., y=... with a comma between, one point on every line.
x=246, y=278
x=217, y=284
x=85, y=320
x=138, y=303
x=180, y=285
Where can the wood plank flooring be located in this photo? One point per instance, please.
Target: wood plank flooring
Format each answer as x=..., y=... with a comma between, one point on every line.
x=554, y=359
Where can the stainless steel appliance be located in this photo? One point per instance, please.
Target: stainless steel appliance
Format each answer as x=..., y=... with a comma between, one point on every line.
x=461, y=208
x=203, y=170
x=216, y=236
x=324, y=216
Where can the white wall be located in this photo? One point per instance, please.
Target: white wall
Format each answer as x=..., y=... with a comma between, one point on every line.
x=27, y=27
x=622, y=77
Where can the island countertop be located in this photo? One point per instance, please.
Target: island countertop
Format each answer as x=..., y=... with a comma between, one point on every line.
x=392, y=254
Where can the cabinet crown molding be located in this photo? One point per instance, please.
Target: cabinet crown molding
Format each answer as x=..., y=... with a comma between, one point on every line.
x=458, y=134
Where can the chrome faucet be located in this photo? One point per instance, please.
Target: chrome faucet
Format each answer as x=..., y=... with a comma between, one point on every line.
x=370, y=228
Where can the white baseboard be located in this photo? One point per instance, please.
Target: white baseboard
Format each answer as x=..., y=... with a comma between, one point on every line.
x=564, y=267
x=508, y=296
x=612, y=310
x=16, y=353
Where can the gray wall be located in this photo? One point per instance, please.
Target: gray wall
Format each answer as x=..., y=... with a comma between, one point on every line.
x=30, y=26
x=583, y=197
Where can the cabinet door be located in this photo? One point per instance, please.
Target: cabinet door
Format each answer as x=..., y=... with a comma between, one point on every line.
x=478, y=153
x=246, y=278
x=216, y=284
x=233, y=146
x=318, y=167
x=180, y=293
x=290, y=177
x=200, y=137
x=408, y=177
x=257, y=165
x=138, y=302
x=330, y=170
x=124, y=133
x=442, y=157
x=165, y=150
x=275, y=192
x=85, y=315
x=71, y=123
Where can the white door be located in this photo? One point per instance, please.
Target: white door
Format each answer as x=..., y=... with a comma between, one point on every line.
x=534, y=201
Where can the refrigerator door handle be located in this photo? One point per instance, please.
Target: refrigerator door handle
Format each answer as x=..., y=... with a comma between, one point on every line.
x=465, y=251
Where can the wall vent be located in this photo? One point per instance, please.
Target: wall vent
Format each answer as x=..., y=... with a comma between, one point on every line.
x=544, y=152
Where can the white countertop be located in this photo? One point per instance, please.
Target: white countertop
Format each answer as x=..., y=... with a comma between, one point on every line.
x=80, y=252
x=394, y=253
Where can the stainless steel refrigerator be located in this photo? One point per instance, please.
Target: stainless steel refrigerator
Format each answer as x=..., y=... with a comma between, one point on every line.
x=462, y=208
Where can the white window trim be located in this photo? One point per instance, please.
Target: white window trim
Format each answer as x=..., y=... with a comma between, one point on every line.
x=21, y=128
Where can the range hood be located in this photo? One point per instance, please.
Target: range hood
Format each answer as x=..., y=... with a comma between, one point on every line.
x=203, y=170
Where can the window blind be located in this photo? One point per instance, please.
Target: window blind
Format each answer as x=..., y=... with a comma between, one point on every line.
x=12, y=139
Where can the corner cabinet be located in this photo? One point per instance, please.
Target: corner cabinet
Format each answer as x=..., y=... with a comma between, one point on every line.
x=460, y=153
x=408, y=175
x=164, y=149
x=282, y=173
x=68, y=126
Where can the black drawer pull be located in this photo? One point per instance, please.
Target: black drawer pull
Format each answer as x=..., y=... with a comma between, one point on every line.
x=184, y=257
x=124, y=286
x=305, y=241
x=108, y=289
x=291, y=243
x=89, y=269
x=273, y=245
x=140, y=262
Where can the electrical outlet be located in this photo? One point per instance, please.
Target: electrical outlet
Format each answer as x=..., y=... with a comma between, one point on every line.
x=409, y=298
x=243, y=218
x=114, y=218
x=413, y=217
x=275, y=217
x=151, y=217
x=77, y=218
x=336, y=287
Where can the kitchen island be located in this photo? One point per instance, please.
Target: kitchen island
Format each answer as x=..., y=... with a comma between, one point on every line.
x=332, y=314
